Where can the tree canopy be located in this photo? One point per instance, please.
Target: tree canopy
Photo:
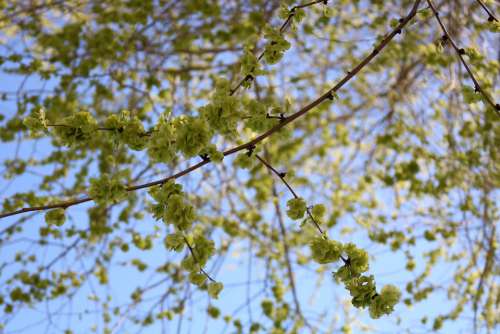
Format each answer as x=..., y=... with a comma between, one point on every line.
x=168, y=163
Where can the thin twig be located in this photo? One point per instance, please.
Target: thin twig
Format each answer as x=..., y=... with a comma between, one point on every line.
x=61, y=255
x=282, y=178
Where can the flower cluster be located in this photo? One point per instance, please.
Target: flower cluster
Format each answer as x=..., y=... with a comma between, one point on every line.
x=127, y=129
x=275, y=47
x=161, y=144
x=192, y=135
x=324, y=250
x=36, y=122
x=171, y=206
x=249, y=63
x=76, y=129
x=384, y=302
x=296, y=208
x=175, y=241
x=223, y=112
x=357, y=263
x=257, y=119
x=361, y=287
x=212, y=153
x=107, y=189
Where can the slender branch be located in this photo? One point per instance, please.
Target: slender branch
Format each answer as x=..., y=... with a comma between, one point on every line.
x=491, y=16
x=282, y=178
x=280, y=175
x=286, y=250
x=303, y=111
x=460, y=52
x=62, y=254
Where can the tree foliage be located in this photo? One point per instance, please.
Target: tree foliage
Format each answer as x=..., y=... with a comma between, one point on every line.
x=159, y=137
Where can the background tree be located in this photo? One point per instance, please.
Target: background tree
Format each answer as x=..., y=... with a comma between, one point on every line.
x=159, y=154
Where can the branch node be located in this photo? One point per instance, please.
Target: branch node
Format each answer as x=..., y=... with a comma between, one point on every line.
x=204, y=157
x=281, y=117
x=461, y=51
x=282, y=175
x=497, y=107
x=491, y=18
x=330, y=96
x=250, y=149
